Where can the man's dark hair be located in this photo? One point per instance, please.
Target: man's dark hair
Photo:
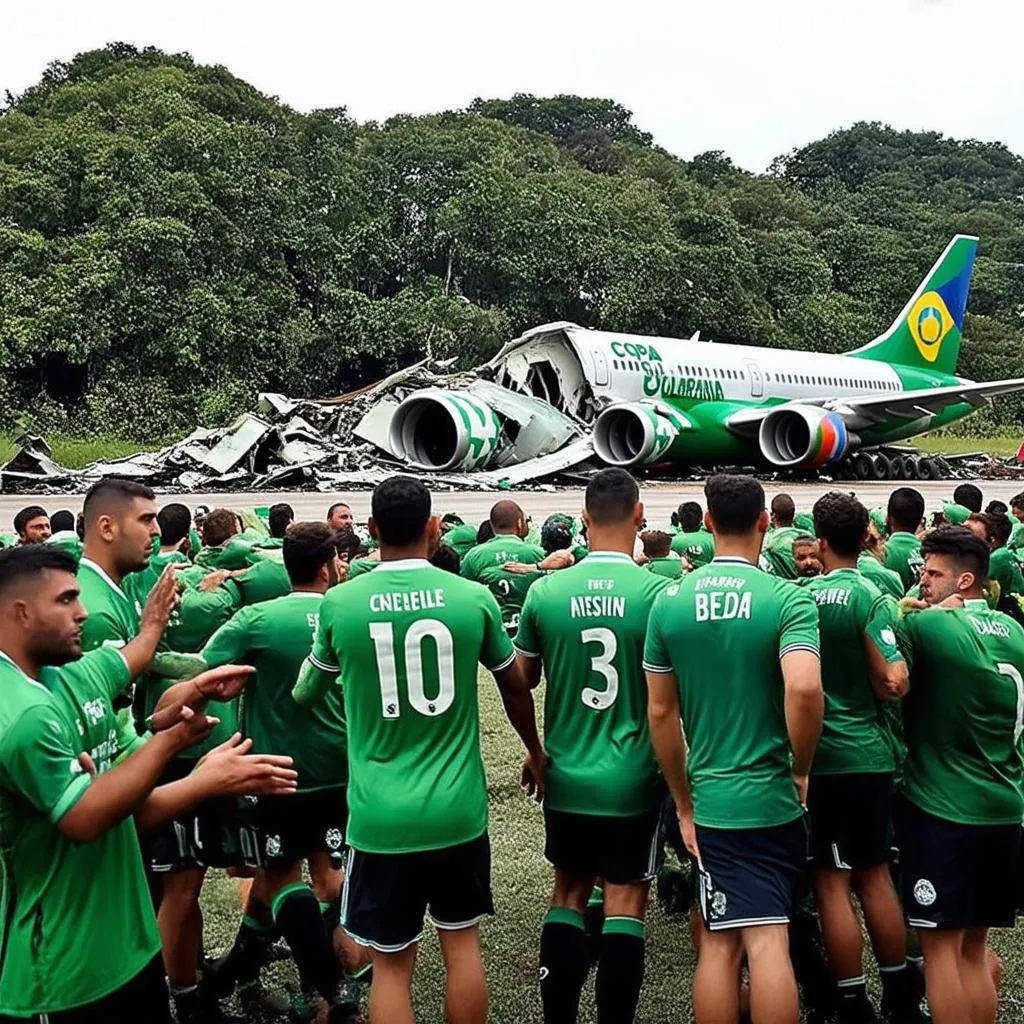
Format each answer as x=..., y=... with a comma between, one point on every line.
x=980, y=517
x=842, y=522
x=175, y=521
x=281, y=516
x=80, y=525
x=484, y=532
x=26, y=515
x=446, y=558
x=905, y=509
x=1017, y=501
x=556, y=533
x=999, y=529
x=338, y=504
x=29, y=560
x=400, y=507
x=112, y=494
x=783, y=509
x=62, y=521
x=657, y=543
x=611, y=497
x=689, y=516
x=734, y=503
x=505, y=514
x=969, y=496
x=452, y=519
x=994, y=508
x=347, y=543
x=307, y=548
x=219, y=526
x=968, y=552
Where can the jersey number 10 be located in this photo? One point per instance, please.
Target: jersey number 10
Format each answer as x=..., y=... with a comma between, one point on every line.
x=383, y=636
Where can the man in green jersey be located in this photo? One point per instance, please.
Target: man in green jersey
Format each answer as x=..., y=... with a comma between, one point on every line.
x=778, y=542
x=870, y=566
x=806, y=557
x=658, y=554
x=903, y=520
x=1003, y=567
x=697, y=546
x=459, y=536
x=174, y=522
x=850, y=793
x=404, y=642
x=970, y=496
x=279, y=519
x=485, y=563
x=276, y=637
x=586, y=626
x=752, y=719
x=958, y=821
x=70, y=781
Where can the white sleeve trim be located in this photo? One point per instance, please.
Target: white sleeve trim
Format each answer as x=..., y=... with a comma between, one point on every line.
x=524, y=652
x=505, y=664
x=792, y=648
x=323, y=665
x=661, y=670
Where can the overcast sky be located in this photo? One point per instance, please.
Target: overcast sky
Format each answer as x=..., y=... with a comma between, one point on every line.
x=751, y=77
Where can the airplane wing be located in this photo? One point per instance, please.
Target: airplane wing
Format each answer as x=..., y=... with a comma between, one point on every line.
x=861, y=411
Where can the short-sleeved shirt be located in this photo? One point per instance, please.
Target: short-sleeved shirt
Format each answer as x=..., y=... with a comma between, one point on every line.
x=68, y=541
x=588, y=625
x=460, y=538
x=854, y=738
x=698, y=547
x=263, y=582
x=778, y=550
x=79, y=916
x=484, y=562
x=137, y=585
x=903, y=556
x=887, y=581
x=361, y=566
x=406, y=641
x=962, y=718
x=723, y=630
x=671, y=567
x=275, y=637
x=1004, y=568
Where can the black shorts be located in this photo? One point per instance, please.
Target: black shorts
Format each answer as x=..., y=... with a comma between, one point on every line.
x=144, y=998
x=751, y=876
x=850, y=818
x=386, y=895
x=956, y=876
x=219, y=833
x=294, y=827
x=622, y=851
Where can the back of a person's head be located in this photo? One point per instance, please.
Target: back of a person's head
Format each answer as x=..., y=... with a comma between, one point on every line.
x=446, y=558
x=1017, y=501
x=997, y=508
x=966, y=550
x=906, y=508
x=175, y=521
x=735, y=503
x=842, y=522
x=783, y=509
x=657, y=543
x=306, y=549
x=280, y=517
x=113, y=496
x=22, y=565
x=969, y=496
x=484, y=532
x=505, y=515
x=611, y=497
x=999, y=528
x=26, y=515
x=219, y=526
x=347, y=542
x=62, y=521
x=400, y=507
x=690, y=516
x=556, y=532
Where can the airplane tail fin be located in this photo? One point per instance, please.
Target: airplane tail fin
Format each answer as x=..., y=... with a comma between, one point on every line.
x=926, y=334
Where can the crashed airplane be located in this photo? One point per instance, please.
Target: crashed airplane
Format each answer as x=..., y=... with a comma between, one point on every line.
x=560, y=392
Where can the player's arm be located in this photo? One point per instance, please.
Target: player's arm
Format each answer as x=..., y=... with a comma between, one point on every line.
x=163, y=598
x=887, y=671
x=527, y=641
x=222, y=684
x=804, y=698
x=663, y=719
x=320, y=670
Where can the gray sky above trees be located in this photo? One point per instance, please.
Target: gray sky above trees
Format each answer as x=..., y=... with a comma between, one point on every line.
x=750, y=77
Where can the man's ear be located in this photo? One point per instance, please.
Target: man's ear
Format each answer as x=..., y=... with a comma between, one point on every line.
x=372, y=527
x=762, y=521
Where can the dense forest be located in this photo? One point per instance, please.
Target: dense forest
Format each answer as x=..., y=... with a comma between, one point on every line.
x=173, y=241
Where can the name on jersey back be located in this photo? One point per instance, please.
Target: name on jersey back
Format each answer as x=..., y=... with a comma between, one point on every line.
x=716, y=599
x=407, y=600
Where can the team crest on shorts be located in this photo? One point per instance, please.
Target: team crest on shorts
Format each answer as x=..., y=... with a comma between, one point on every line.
x=334, y=838
x=273, y=846
x=719, y=903
x=924, y=892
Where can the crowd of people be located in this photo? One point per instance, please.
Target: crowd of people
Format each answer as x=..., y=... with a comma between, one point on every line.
x=816, y=710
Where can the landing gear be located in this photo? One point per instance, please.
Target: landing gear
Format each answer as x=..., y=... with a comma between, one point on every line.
x=876, y=465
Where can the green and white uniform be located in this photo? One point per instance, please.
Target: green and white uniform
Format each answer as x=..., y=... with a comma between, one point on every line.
x=361, y=566
x=698, y=547
x=484, y=562
x=887, y=580
x=1004, y=568
x=903, y=556
x=460, y=538
x=670, y=568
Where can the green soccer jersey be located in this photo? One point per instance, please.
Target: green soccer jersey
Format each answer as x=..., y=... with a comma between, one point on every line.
x=484, y=562
x=903, y=556
x=56, y=893
x=68, y=541
x=887, y=581
x=276, y=637
x=361, y=566
x=137, y=585
x=263, y=582
x=1016, y=541
x=854, y=737
x=778, y=550
x=113, y=613
x=723, y=631
x=460, y=538
x=1004, y=568
x=962, y=718
x=588, y=625
x=671, y=568
x=406, y=641
x=698, y=548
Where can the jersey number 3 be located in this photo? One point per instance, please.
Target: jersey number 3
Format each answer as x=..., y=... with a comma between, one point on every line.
x=602, y=664
x=383, y=636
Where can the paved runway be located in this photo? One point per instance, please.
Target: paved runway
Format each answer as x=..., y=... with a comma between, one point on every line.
x=660, y=499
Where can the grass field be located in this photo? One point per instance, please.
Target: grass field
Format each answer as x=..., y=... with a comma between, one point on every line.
x=78, y=452
x=521, y=883
x=940, y=444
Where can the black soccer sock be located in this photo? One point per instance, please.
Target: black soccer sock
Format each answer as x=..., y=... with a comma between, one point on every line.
x=899, y=987
x=297, y=914
x=563, y=965
x=853, y=1004
x=620, y=971
x=332, y=914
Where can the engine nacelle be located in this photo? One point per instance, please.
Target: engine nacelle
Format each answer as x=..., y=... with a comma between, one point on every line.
x=439, y=430
x=804, y=435
x=637, y=433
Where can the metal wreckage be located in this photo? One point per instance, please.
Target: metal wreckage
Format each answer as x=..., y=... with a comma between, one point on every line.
x=550, y=408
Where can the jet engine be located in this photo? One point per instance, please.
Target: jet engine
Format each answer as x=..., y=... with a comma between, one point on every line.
x=804, y=435
x=441, y=430
x=637, y=433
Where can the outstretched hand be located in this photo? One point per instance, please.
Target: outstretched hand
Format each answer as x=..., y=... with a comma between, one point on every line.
x=233, y=771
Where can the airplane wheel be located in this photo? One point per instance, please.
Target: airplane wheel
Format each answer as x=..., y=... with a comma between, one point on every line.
x=898, y=471
x=927, y=470
x=881, y=468
x=861, y=465
x=913, y=468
